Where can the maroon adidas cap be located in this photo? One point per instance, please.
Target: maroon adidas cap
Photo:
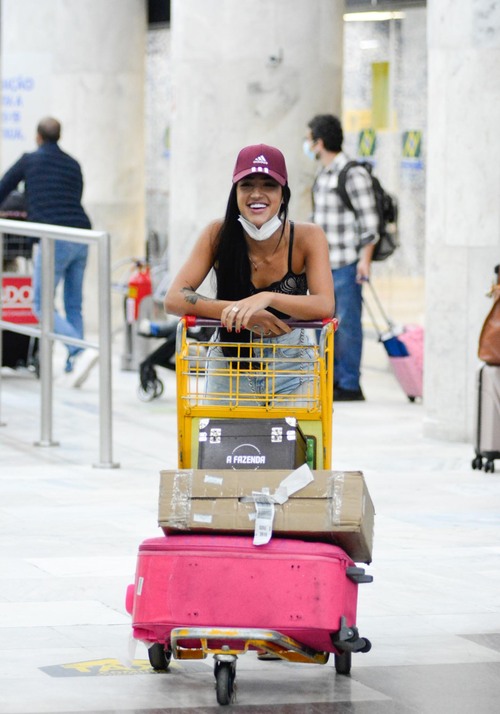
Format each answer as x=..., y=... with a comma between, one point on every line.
x=261, y=159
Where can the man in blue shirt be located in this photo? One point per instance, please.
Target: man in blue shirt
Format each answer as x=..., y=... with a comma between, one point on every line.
x=53, y=185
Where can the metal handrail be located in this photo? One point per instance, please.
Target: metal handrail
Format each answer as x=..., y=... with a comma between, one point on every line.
x=48, y=234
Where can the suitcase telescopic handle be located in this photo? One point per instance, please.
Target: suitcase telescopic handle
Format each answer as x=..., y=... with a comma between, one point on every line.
x=195, y=321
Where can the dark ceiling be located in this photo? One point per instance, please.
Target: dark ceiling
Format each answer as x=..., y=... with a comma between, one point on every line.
x=374, y=5
x=159, y=10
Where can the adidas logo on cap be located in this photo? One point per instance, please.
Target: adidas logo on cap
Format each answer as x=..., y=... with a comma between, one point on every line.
x=263, y=159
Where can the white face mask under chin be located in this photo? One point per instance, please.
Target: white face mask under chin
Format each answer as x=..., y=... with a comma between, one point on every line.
x=265, y=231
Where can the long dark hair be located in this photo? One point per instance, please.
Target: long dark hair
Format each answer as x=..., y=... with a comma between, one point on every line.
x=231, y=261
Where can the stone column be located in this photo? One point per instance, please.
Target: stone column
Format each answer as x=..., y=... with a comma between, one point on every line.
x=245, y=73
x=82, y=62
x=463, y=206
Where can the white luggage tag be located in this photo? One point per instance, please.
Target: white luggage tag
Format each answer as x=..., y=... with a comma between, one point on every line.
x=264, y=517
x=264, y=501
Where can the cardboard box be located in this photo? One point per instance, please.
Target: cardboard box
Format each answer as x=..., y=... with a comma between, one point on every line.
x=335, y=507
x=251, y=444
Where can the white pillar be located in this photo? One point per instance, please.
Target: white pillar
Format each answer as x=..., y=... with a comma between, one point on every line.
x=82, y=62
x=463, y=206
x=244, y=73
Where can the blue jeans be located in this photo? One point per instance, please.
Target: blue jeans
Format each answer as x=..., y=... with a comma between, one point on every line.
x=70, y=262
x=293, y=362
x=349, y=336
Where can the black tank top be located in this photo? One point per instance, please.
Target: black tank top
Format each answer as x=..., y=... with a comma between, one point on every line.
x=290, y=284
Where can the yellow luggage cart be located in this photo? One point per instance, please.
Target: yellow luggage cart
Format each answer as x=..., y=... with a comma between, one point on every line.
x=312, y=409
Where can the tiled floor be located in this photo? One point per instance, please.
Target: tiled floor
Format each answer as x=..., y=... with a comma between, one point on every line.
x=69, y=535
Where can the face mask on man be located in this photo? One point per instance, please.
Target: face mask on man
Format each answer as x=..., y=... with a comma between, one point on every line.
x=306, y=146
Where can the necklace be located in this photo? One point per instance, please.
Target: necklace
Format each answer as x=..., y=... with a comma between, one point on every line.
x=256, y=265
x=267, y=258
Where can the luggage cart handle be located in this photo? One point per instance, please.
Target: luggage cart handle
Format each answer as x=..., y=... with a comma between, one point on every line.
x=195, y=321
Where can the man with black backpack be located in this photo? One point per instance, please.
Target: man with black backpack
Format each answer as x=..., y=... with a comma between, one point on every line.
x=352, y=232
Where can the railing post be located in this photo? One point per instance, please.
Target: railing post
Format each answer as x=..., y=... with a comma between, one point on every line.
x=46, y=345
x=105, y=372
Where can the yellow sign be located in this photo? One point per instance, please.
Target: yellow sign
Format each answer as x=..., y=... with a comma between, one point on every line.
x=367, y=141
x=99, y=667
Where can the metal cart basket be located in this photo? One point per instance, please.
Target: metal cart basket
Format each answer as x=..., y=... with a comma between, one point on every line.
x=258, y=362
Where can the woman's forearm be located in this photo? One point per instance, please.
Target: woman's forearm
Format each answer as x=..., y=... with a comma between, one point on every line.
x=187, y=301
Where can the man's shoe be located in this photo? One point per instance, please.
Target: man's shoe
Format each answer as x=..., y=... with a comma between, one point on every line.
x=70, y=362
x=82, y=366
x=348, y=395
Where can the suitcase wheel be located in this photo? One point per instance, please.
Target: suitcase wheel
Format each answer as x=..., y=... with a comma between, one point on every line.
x=489, y=466
x=225, y=674
x=367, y=646
x=477, y=463
x=159, y=657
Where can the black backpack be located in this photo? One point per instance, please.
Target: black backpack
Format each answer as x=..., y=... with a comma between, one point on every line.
x=387, y=208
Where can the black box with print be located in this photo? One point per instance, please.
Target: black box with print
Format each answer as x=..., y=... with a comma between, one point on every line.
x=251, y=444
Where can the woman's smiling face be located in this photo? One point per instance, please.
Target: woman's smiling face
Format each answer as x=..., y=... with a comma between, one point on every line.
x=259, y=198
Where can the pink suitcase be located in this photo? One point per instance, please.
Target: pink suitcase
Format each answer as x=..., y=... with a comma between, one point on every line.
x=404, y=347
x=307, y=591
x=409, y=369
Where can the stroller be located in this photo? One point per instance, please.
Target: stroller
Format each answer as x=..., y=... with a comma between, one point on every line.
x=151, y=387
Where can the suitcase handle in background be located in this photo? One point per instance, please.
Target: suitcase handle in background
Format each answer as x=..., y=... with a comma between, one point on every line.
x=390, y=325
x=195, y=321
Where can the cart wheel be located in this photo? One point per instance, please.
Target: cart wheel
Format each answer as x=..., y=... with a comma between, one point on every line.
x=489, y=466
x=224, y=682
x=343, y=663
x=151, y=391
x=159, y=657
x=477, y=463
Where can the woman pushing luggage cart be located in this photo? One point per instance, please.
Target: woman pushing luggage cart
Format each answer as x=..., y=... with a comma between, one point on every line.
x=219, y=594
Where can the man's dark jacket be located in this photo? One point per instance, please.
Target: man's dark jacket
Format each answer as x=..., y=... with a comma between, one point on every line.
x=53, y=186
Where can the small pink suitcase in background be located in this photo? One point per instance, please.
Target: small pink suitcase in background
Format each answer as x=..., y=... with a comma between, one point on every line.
x=409, y=369
x=303, y=590
x=404, y=347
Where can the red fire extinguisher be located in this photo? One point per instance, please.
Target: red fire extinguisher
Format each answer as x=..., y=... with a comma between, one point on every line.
x=139, y=287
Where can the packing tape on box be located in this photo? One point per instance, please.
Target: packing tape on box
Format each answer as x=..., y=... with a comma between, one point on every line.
x=264, y=501
x=336, y=496
x=181, y=498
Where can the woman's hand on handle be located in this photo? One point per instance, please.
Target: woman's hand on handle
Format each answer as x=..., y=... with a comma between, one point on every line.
x=250, y=313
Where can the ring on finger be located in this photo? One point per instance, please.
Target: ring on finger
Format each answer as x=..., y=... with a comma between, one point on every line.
x=235, y=309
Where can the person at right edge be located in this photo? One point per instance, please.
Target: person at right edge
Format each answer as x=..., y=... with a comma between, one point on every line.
x=351, y=239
